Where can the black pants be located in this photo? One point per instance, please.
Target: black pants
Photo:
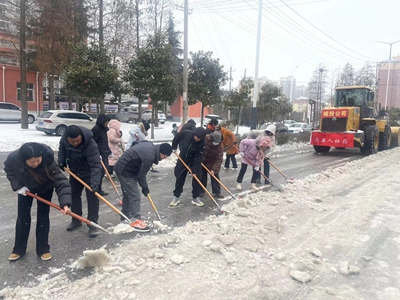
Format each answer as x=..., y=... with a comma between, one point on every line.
x=215, y=186
x=23, y=225
x=76, y=193
x=105, y=161
x=243, y=171
x=180, y=174
x=228, y=158
x=266, y=171
x=110, y=170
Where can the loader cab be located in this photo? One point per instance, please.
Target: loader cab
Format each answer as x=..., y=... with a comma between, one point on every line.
x=354, y=96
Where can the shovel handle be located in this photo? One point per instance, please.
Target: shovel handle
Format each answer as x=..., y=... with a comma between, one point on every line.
x=97, y=194
x=219, y=181
x=198, y=180
x=154, y=207
x=112, y=181
x=68, y=212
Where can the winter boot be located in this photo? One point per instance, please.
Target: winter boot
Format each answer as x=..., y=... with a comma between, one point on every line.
x=74, y=225
x=254, y=187
x=238, y=186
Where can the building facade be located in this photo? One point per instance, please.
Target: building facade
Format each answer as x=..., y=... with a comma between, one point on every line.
x=288, y=86
x=389, y=94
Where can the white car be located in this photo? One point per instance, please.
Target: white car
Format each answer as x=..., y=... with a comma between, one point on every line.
x=12, y=112
x=146, y=116
x=297, y=127
x=208, y=118
x=56, y=121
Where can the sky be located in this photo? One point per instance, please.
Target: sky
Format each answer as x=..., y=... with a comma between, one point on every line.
x=297, y=35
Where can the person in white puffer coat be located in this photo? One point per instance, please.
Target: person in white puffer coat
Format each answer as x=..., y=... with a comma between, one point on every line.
x=258, y=134
x=138, y=133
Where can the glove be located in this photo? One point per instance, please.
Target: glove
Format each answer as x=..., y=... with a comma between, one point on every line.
x=145, y=191
x=256, y=169
x=241, y=153
x=62, y=166
x=95, y=189
x=22, y=191
x=173, y=150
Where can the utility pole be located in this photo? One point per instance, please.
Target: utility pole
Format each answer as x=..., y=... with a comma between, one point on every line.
x=388, y=76
x=254, y=116
x=185, y=62
x=230, y=83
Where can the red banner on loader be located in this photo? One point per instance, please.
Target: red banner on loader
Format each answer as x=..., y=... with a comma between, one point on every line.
x=344, y=140
x=337, y=113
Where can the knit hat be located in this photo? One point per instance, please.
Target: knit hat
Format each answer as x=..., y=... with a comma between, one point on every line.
x=29, y=150
x=216, y=138
x=165, y=149
x=73, y=131
x=213, y=121
x=200, y=132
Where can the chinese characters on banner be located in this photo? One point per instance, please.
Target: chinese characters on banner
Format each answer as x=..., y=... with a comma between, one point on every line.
x=332, y=139
x=337, y=113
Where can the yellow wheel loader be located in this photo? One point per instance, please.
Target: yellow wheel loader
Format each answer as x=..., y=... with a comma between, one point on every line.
x=354, y=121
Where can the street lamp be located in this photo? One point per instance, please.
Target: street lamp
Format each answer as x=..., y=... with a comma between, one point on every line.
x=388, y=77
x=291, y=85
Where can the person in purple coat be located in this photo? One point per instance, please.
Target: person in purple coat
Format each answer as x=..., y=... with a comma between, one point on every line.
x=252, y=153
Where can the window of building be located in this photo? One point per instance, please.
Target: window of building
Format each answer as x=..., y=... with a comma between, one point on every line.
x=30, y=91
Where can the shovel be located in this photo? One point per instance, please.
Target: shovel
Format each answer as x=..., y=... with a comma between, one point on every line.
x=290, y=180
x=68, y=212
x=234, y=197
x=98, y=195
x=199, y=182
x=154, y=207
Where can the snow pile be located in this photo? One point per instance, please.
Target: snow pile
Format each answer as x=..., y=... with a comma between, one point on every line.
x=299, y=244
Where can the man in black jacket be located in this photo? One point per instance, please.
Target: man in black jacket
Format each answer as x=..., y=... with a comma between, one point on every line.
x=191, y=145
x=190, y=125
x=79, y=152
x=101, y=138
x=131, y=169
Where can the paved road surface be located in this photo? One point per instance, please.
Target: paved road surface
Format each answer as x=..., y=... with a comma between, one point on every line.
x=67, y=247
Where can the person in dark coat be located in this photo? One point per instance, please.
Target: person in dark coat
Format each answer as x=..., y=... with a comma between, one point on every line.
x=32, y=168
x=131, y=169
x=101, y=138
x=191, y=146
x=212, y=159
x=211, y=126
x=79, y=152
x=190, y=125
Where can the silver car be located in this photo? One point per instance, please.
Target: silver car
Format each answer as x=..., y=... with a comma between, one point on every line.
x=56, y=121
x=12, y=112
x=146, y=116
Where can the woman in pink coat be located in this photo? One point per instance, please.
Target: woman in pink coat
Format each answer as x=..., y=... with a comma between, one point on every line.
x=114, y=143
x=252, y=152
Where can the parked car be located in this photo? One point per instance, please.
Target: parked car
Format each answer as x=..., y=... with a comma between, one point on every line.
x=128, y=114
x=288, y=123
x=146, y=116
x=56, y=121
x=12, y=112
x=208, y=118
x=280, y=128
x=308, y=128
x=297, y=127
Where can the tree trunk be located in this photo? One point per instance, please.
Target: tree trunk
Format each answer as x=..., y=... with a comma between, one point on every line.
x=152, y=119
x=51, y=91
x=70, y=101
x=155, y=114
x=102, y=109
x=22, y=57
x=201, y=114
x=239, y=119
x=101, y=28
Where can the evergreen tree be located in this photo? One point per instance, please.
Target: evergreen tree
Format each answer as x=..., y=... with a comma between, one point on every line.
x=366, y=75
x=348, y=76
x=205, y=79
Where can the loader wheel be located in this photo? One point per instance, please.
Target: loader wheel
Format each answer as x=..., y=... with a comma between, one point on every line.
x=385, y=139
x=371, y=141
x=322, y=149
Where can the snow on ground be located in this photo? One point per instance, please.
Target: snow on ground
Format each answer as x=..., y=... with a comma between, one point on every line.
x=306, y=242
